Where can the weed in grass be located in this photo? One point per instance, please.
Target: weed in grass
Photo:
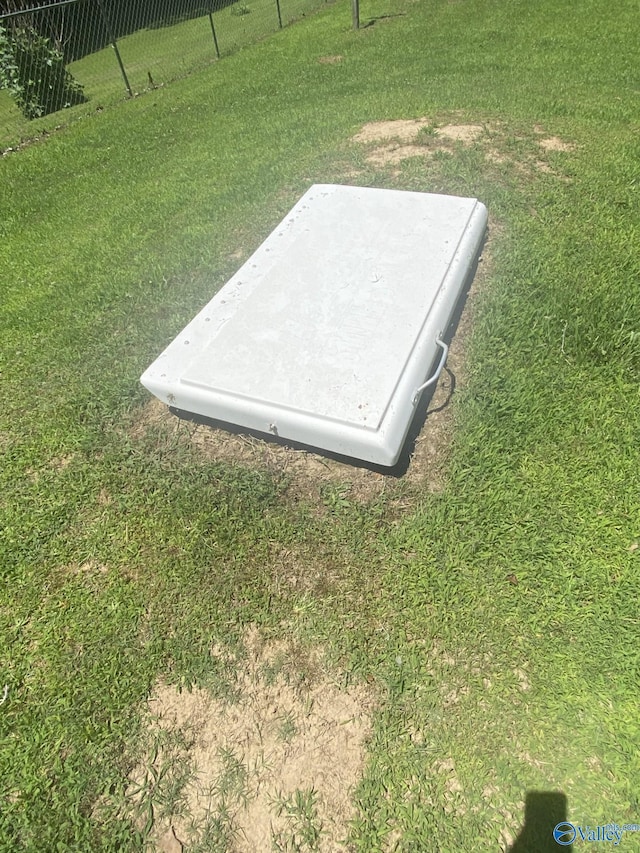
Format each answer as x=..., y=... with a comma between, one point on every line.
x=288, y=728
x=427, y=134
x=231, y=785
x=303, y=827
x=215, y=834
x=336, y=498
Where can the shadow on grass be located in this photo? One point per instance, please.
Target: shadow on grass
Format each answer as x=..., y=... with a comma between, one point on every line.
x=543, y=811
x=373, y=21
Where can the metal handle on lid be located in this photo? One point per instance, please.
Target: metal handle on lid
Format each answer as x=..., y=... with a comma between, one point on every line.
x=436, y=375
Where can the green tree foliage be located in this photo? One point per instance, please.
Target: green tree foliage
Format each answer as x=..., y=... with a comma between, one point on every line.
x=33, y=70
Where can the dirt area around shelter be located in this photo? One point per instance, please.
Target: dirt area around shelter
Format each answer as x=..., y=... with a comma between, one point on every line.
x=308, y=475
x=276, y=766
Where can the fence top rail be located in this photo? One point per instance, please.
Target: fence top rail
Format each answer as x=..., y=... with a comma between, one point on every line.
x=5, y=15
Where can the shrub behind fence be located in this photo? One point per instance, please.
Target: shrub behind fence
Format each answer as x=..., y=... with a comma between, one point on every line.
x=57, y=54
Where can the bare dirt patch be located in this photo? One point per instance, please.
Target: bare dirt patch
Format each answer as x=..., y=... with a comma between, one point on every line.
x=554, y=143
x=330, y=60
x=404, y=130
x=389, y=143
x=277, y=767
x=392, y=155
x=90, y=567
x=405, y=138
x=466, y=133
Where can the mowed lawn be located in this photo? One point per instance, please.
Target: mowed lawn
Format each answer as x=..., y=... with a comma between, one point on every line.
x=455, y=651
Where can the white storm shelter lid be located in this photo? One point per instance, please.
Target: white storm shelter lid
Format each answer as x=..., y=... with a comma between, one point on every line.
x=325, y=335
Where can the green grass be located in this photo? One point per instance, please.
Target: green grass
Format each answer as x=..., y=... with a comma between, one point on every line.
x=497, y=620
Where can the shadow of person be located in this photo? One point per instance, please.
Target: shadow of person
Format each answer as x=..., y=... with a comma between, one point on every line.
x=543, y=811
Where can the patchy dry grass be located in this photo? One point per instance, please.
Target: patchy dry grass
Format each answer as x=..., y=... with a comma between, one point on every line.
x=390, y=143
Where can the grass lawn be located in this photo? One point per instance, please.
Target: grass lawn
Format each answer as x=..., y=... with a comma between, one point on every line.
x=462, y=652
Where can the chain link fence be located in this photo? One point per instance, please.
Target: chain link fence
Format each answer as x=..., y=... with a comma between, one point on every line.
x=59, y=55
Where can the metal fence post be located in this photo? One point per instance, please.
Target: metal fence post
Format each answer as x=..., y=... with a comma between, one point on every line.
x=355, y=14
x=112, y=39
x=213, y=32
